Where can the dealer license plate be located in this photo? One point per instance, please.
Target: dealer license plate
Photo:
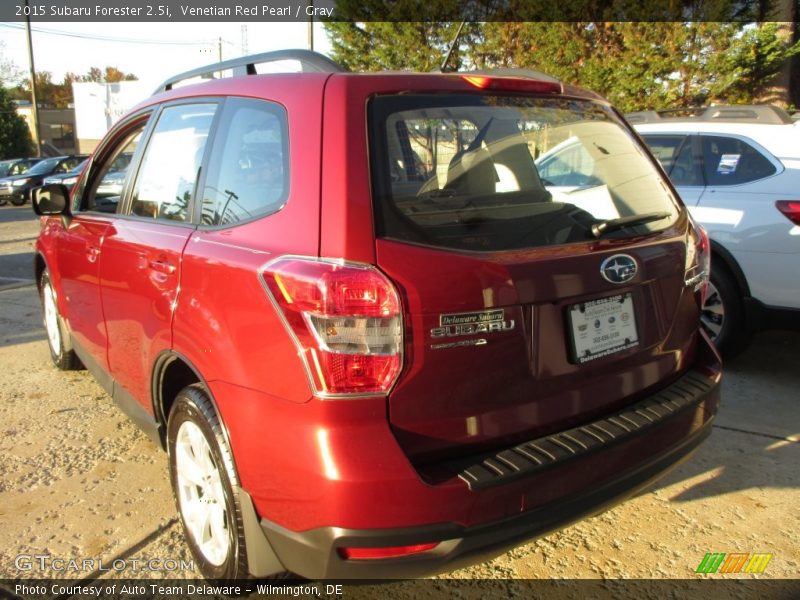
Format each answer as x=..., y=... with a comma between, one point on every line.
x=602, y=327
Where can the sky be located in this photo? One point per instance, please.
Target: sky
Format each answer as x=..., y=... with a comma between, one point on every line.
x=151, y=51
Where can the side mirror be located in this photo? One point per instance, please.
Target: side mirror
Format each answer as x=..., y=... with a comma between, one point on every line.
x=50, y=200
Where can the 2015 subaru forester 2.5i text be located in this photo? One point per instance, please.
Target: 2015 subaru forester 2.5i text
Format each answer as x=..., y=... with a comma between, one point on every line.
x=374, y=338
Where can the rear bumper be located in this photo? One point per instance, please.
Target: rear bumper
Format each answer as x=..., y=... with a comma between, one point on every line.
x=628, y=463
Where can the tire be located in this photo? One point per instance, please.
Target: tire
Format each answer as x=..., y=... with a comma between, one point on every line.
x=723, y=314
x=18, y=201
x=58, y=341
x=203, y=476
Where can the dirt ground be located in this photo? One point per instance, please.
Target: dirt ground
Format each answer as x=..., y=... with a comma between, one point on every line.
x=77, y=479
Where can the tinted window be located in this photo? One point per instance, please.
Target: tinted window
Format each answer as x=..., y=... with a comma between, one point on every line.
x=665, y=148
x=504, y=172
x=43, y=168
x=687, y=168
x=68, y=164
x=676, y=155
x=164, y=187
x=248, y=173
x=21, y=167
x=730, y=161
x=571, y=167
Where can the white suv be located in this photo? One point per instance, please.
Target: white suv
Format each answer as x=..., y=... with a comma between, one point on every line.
x=737, y=168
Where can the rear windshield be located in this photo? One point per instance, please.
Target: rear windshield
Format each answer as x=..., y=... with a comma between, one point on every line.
x=487, y=173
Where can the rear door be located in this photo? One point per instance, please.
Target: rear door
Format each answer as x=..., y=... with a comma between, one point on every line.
x=140, y=268
x=519, y=319
x=738, y=210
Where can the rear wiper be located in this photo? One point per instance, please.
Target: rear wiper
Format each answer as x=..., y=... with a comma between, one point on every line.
x=604, y=227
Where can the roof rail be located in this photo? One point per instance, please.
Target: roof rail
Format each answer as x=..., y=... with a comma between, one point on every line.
x=736, y=113
x=752, y=113
x=642, y=116
x=313, y=62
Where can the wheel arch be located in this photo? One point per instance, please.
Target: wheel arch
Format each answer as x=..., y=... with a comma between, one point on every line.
x=172, y=371
x=39, y=267
x=721, y=255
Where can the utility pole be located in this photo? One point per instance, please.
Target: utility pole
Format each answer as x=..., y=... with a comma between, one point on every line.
x=35, y=107
x=311, y=26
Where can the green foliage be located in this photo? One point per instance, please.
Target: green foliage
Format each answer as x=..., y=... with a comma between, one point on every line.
x=9, y=71
x=15, y=138
x=378, y=46
x=636, y=65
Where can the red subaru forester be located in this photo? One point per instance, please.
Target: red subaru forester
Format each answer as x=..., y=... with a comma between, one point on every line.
x=384, y=324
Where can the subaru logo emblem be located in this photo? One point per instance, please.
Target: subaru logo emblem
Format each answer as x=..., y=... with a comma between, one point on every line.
x=618, y=268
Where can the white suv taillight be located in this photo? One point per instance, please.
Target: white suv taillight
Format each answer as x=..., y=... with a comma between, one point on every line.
x=345, y=319
x=698, y=261
x=790, y=210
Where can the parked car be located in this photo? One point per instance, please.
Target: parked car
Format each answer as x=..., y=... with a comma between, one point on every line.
x=16, y=166
x=370, y=338
x=68, y=179
x=112, y=183
x=737, y=168
x=17, y=188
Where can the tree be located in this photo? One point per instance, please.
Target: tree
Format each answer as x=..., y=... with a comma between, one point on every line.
x=50, y=94
x=107, y=75
x=640, y=65
x=377, y=46
x=754, y=60
x=15, y=137
x=9, y=72
x=636, y=65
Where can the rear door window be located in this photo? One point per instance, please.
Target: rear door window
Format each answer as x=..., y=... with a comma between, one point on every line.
x=732, y=161
x=165, y=184
x=504, y=172
x=248, y=173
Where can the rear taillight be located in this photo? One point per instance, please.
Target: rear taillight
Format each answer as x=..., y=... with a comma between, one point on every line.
x=345, y=319
x=790, y=209
x=698, y=261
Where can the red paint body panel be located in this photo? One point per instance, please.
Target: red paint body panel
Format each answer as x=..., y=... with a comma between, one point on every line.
x=448, y=399
x=140, y=270
x=368, y=481
x=132, y=289
x=225, y=324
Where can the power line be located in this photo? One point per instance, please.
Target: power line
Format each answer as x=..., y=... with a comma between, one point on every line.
x=104, y=38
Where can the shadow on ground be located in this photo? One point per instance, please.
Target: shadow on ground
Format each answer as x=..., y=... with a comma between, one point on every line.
x=755, y=442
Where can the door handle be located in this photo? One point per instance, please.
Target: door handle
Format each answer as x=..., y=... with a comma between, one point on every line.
x=92, y=252
x=162, y=267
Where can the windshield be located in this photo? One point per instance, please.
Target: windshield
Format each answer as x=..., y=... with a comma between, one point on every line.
x=505, y=172
x=79, y=167
x=43, y=168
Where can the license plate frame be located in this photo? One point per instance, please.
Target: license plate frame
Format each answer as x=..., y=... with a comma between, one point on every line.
x=602, y=327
